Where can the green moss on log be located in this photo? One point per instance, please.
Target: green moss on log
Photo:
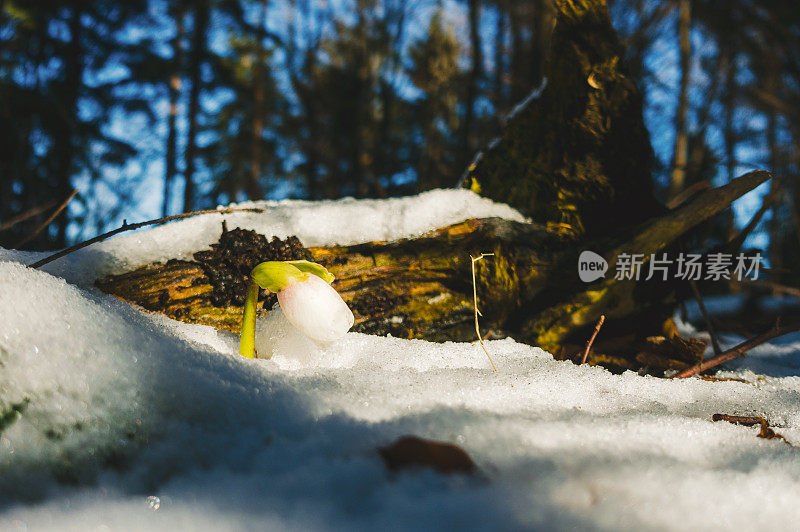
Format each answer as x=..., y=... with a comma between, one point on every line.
x=422, y=287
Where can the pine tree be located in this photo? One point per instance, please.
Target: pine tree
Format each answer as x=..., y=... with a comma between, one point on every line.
x=435, y=71
x=59, y=108
x=198, y=54
x=351, y=146
x=243, y=153
x=174, y=85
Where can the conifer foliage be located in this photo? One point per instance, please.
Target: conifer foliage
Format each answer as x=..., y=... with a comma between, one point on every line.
x=155, y=107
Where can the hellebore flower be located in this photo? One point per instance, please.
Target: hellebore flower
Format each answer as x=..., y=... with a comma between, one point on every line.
x=306, y=297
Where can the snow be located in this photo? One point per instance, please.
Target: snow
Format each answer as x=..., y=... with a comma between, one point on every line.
x=121, y=406
x=345, y=221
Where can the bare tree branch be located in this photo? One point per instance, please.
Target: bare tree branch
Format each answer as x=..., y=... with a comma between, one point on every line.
x=28, y=214
x=49, y=220
x=130, y=227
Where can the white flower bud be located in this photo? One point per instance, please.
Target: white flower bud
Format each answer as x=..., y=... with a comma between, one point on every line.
x=316, y=309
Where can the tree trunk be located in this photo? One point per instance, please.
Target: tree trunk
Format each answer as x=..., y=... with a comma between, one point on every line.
x=421, y=288
x=475, y=74
x=777, y=223
x=198, y=53
x=313, y=179
x=515, y=53
x=729, y=104
x=499, y=56
x=171, y=166
x=73, y=72
x=259, y=89
x=308, y=126
x=681, y=150
x=576, y=158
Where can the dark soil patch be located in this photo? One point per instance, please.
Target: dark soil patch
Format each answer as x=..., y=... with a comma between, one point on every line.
x=228, y=263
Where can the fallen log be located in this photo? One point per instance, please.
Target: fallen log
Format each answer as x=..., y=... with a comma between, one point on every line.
x=422, y=287
x=417, y=288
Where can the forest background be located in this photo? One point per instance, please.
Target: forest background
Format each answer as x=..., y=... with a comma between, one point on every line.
x=153, y=107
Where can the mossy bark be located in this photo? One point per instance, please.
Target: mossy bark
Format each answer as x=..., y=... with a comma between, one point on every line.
x=578, y=157
x=419, y=288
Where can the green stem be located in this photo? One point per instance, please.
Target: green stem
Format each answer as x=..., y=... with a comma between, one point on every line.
x=247, y=345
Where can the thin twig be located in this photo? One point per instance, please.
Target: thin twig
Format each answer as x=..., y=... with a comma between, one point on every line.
x=591, y=340
x=28, y=214
x=709, y=325
x=735, y=243
x=130, y=227
x=739, y=350
x=49, y=220
x=475, y=302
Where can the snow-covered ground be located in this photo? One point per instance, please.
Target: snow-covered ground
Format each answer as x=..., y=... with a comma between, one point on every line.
x=120, y=406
